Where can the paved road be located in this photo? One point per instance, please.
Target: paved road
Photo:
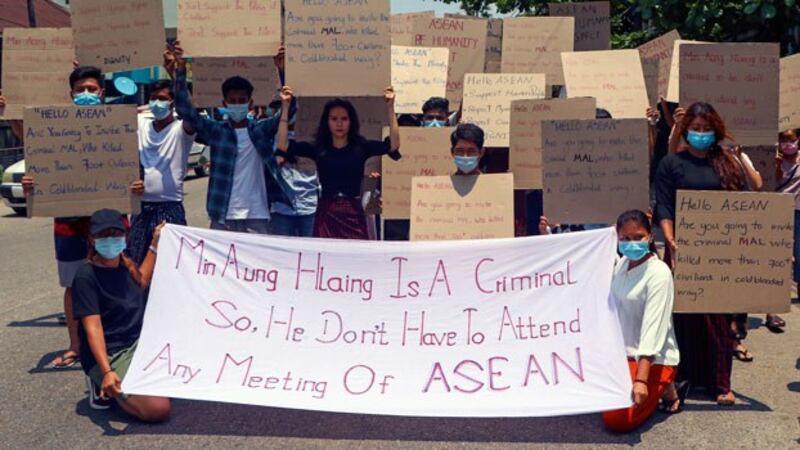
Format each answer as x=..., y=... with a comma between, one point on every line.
x=42, y=408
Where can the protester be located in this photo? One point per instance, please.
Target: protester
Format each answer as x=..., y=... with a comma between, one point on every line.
x=704, y=339
x=436, y=113
x=294, y=216
x=643, y=291
x=109, y=302
x=237, y=198
x=467, y=148
x=164, y=146
x=340, y=153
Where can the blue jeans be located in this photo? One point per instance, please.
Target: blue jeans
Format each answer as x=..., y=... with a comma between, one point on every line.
x=300, y=226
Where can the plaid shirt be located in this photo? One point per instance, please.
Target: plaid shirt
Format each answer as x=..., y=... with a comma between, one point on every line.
x=221, y=137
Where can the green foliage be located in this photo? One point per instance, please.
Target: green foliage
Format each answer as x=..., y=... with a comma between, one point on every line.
x=634, y=22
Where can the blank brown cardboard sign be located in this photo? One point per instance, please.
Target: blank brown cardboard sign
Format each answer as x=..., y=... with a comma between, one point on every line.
x=372, y=115
x=534, y=45
x=740, y=80
x=488, y=97
x=402, y=26
x=338, y=50
x=591, y=167
x=426, y=152
x=466, y=39
x=208, y=74
x=592, y=23
x=36, y=67
x=763, y=159
x=789, y=110
x=82, y=158
x=734, y=252
x=525, y=153
x=650, y=71
x=661, y=49
x=459, y=207
x=118, y=35
x=418, y=73
x=221, y=28
x=613, y=77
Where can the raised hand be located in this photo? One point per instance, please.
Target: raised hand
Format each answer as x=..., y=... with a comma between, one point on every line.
x=389, y=96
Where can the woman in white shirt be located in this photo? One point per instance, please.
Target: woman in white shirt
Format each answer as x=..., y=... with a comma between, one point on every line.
x=643, y=291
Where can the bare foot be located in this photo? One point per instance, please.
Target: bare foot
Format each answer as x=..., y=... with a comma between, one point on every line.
x=726, y=399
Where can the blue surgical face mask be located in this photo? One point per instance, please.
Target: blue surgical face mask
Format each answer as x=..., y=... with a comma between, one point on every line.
x=466, y=164
x=701, y=141
x=435, y=123
x=86, y=98
x=110, y=247
x=160, y=108
x=634, y=250
x=237, y=113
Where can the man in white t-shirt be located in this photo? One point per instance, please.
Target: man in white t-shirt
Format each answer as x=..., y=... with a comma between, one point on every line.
x=164, y=146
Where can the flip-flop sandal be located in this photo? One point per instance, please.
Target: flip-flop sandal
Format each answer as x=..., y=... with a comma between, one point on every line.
x=743, y=355
x=68, y=359
x=776, y=324
x=668, y=406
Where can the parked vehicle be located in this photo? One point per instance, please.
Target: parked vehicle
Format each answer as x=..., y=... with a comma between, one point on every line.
x=11, y=188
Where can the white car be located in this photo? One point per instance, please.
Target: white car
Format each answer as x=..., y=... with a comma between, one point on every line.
x=11, y=188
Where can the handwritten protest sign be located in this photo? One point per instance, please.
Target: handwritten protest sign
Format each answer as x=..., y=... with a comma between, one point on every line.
x=740, y=80
x=789, y=114
x=525, y=153
x=222, y=28
x=466, y=39
x=338, y=48
x=208, y=74
x=418, y=73
x=402, y=26
x=118, y=35
x=82, y=158
x=371, y=113
x=426, y=152
x=763, y=159
x=613, y=77
x=488, y=97
x=494, y=41
x=416, y=329
x=534, y=45
x=36, y=67
x=460, y=207
x=590, y=166
x=734, y=252
x=661, y=49
x=674, y=70
x=592, y=23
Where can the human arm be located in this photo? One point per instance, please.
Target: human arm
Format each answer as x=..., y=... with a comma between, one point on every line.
x=640, y=391
x=665, y=203
x=676, y=134
x=111, y=387
x=753, y=176
x=394, y=127
x=192, y=120
x=287, y=95
x=652, y=120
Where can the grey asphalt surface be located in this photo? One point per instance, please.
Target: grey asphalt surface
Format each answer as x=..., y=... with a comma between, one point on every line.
x=45, y=408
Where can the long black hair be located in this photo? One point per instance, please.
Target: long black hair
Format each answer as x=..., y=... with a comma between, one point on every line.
x=324, y=138
x=635, y=215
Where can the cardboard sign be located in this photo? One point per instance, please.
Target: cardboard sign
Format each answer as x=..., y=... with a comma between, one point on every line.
x=372, y=115
x=534, y=45
x=661, y=49
x=734, y=252
x=494, y=41
x=208, y=74
x=402, y=26
x=789, y=114
x=650, y=71
x=525, y=153
x=461, y=207
x=426, y=152
x=223, y=28
x=466, y=39
x=333, y=49
x=592, y=166
x=488, y=97
x=81, y=158
x=592, y=23
x=613, y=77
x=763, y=159
x=418, y=73
x=36, y=67
x=118, y=35
x=740, y=80
x=674, y=70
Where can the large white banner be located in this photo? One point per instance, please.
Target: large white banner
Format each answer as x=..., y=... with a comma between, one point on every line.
x=492, y=328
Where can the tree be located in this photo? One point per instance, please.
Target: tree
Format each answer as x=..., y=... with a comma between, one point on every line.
x=634, y=22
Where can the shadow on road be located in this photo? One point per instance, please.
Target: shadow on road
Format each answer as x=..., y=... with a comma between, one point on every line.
x=49, y=321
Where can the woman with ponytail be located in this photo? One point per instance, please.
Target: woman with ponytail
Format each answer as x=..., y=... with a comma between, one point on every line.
x=705, y=340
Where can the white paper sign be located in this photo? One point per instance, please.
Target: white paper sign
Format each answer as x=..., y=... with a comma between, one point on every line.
x=494, y=328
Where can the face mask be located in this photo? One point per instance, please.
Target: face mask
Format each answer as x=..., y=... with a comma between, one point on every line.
x=237, y=113
x=160, y=108
x=789, y=148
x=435, y=123
x=634, y=250
x=86, y=98
x=110, y=248
x=701, y=141
x=466, y=164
